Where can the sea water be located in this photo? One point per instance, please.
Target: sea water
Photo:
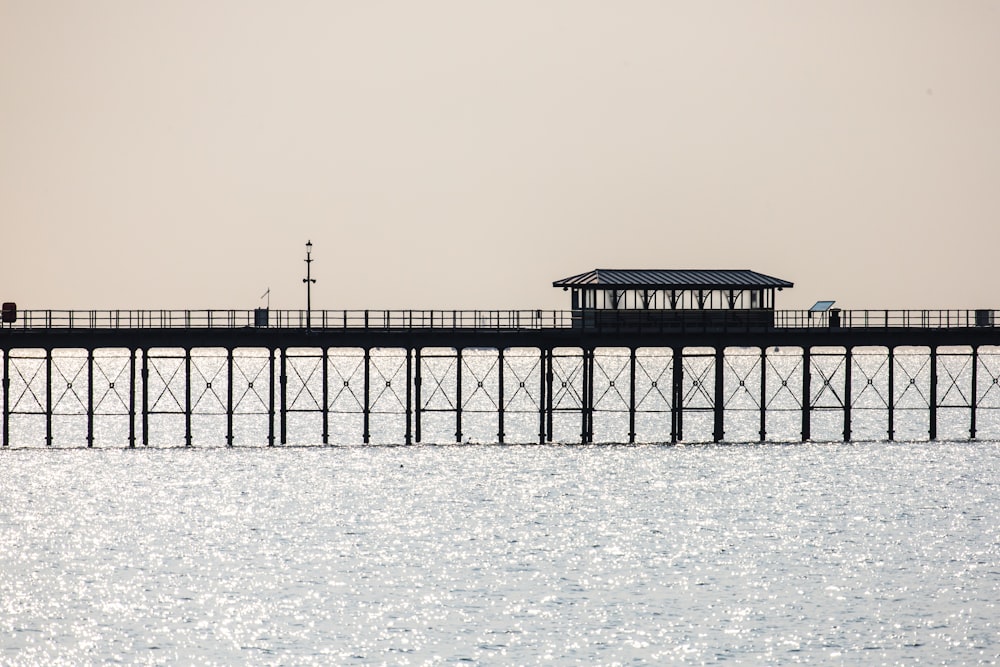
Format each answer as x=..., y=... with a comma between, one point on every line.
x=841, y=553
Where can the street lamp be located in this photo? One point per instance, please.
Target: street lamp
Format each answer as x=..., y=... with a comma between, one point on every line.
x=309, y=280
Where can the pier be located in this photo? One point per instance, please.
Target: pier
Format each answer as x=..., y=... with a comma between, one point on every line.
x=640, y=356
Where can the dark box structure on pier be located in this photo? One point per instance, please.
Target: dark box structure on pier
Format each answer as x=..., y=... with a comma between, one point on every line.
x=671, y=298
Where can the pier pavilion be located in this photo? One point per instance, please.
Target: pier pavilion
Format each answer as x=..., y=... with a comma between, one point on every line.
x=631, y=298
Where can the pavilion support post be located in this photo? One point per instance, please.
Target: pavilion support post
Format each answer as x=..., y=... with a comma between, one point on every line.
x=417, y=386
x=408, y=436
x=720, y=397
x=763, y=394
x=973, y=395
x=458, y=394
x=48, y=397
x=270, y=401
x=677, y=392
x=229, y=397
x=187, y=397
x=631, y=387
x=366, y=435
x=848, y=363
x=131, y=397
x=933, y=401
x=145, y=396
x=891, y=391
x=325, y=360
x=283, y=388
x=806, y=394
x=90, y=397
x=500, y=396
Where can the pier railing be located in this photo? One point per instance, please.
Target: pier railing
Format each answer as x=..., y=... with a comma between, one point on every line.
x=491, y=320
x=292, y=319
x=885, y=319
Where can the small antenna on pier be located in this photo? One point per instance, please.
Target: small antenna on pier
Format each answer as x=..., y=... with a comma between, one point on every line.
x=268, y=295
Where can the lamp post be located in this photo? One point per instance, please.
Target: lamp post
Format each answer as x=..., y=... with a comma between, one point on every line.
x=309, y=280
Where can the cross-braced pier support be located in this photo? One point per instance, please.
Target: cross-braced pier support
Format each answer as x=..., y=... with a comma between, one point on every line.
x=610, y=394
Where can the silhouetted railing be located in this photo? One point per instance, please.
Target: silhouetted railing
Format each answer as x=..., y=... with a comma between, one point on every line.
x=885, y=319
x=496, y=320
x=292, y=319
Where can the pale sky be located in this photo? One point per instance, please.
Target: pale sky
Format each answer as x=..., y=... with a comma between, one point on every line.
x=465, y=154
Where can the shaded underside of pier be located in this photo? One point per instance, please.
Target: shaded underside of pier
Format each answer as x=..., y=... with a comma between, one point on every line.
x=567, y=373
x=491, y=338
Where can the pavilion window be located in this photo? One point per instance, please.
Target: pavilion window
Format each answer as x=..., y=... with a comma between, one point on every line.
x=731, y=296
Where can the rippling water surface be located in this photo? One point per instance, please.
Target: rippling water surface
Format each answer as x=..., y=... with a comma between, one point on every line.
x=875, y=553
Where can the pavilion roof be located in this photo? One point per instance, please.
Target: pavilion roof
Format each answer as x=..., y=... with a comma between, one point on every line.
x=672, y=279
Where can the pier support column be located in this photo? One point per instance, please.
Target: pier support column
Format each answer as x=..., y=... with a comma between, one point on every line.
x=408, y=437
x=973, y=395
x=891, y=434
x=677, y=392
x=366, y=435
x=720, y=397
x=90, y=398
x=763, y=394
x=6, y=398
x=131, y=398
x=631, y=395
x=541, y=396
x=500, y=396
x=145, y=396
x=229, y=397
x=270, y=399
x=806, y=394
x=549, y=402
x=584, y=394
x=933, y=401
x=417, y=394
x=326, y=393
x=590, y=396
x=848, y=362
x=283, y=386
x=458, y=394
x=187, y=397
x=48, y=398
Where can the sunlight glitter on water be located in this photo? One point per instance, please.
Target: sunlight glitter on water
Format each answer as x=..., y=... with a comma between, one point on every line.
x=871, y=553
